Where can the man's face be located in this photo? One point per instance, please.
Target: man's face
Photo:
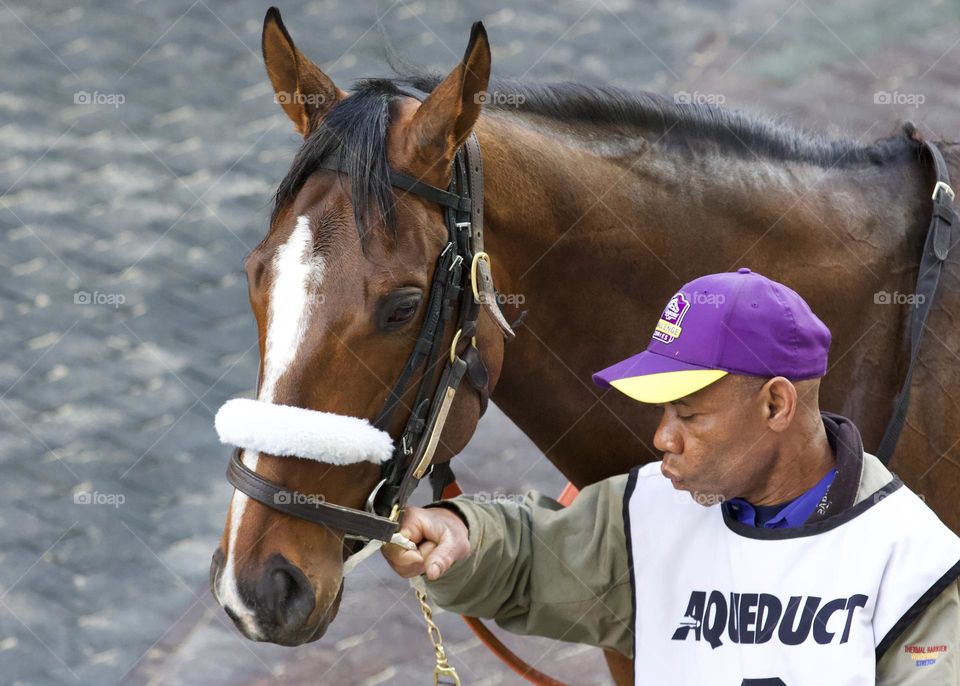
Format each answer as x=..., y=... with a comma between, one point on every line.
x=717, y=442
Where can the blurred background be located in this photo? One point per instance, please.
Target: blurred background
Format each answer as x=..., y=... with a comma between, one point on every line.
x=139, y=148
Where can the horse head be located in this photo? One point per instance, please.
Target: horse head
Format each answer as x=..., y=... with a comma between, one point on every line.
x=340, y=287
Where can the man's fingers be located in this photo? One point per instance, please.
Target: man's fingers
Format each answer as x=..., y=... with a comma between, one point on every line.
x=401, y=540
x=399, y=556
x=426, y=548
x=410, y=563
x=406, y=563
x=441, y=539
x=453, y=546
x=410, y=558
x=414, y=568
x=438, y=563
x=414, y=524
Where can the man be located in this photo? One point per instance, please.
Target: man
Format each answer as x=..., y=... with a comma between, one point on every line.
x=818, y=565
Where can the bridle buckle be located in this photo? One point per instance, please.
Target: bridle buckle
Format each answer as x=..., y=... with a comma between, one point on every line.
x=371, y=499
x=474, y=264
x=942, y=186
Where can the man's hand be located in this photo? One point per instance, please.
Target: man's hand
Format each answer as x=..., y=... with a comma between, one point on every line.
x=441, y=538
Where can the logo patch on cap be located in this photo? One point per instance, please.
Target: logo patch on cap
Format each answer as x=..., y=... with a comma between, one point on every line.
x=668, y=328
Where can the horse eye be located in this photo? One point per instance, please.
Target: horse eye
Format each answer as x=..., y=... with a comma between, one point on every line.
x=398, y=308
x=403, y=313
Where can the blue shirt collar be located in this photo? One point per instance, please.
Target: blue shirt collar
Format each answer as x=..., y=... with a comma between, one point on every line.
x=791, y=514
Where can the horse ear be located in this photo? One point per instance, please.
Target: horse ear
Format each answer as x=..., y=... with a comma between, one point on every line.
x=304, y=92
x=445, y=119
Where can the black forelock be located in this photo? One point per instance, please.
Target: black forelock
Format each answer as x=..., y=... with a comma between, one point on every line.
x=354, y=134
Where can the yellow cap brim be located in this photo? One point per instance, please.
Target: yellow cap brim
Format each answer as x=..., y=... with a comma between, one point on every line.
x=666, y=387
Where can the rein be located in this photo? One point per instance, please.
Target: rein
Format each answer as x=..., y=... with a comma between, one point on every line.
x=936, y=249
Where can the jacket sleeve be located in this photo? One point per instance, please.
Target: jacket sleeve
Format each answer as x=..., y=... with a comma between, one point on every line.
x=933, y=635
x=538, y=568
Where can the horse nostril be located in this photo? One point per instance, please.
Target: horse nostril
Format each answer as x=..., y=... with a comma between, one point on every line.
x=286, y=593
x=281, y=584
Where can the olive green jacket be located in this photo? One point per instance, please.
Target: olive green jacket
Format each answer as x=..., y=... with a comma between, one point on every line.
x=538, y=568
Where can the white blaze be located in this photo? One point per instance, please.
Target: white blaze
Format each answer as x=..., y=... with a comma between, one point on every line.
x=295, y=269
x=289, y=310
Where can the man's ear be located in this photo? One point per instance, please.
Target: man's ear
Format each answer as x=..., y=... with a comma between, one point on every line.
x=304, y=92
x=780, y=396
x=445, y=119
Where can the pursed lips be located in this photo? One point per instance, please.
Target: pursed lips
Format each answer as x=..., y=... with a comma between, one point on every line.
x=673, y=476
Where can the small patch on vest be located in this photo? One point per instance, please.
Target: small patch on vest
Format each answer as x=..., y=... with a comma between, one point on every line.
x=924, y=656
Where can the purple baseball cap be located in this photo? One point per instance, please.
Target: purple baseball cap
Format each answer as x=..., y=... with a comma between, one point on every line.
x=730, y=323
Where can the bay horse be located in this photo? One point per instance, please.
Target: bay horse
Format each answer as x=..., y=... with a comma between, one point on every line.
x=599, y=205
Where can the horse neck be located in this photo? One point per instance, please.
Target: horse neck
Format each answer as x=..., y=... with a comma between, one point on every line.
x=594, y=243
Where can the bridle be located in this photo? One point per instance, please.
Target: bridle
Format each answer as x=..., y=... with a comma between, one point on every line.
x=462, y=283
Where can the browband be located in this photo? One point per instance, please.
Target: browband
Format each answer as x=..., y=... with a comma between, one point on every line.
x=408, y=183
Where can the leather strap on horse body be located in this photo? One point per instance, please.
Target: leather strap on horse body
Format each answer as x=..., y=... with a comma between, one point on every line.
x=305, y=506
x=936, y=249
x=448, y=296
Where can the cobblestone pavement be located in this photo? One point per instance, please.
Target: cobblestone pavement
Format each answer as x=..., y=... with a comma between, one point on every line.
x=139, y=146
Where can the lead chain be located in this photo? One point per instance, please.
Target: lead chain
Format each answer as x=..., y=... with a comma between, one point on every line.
x=442, y=671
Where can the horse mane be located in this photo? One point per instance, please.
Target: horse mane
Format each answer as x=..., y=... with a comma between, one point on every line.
x=736, y=131
x=355, y=130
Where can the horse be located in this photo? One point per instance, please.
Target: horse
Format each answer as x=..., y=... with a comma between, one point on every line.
x=599, y=204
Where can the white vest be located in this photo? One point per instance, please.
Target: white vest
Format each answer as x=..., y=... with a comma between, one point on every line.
x=721, y=603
